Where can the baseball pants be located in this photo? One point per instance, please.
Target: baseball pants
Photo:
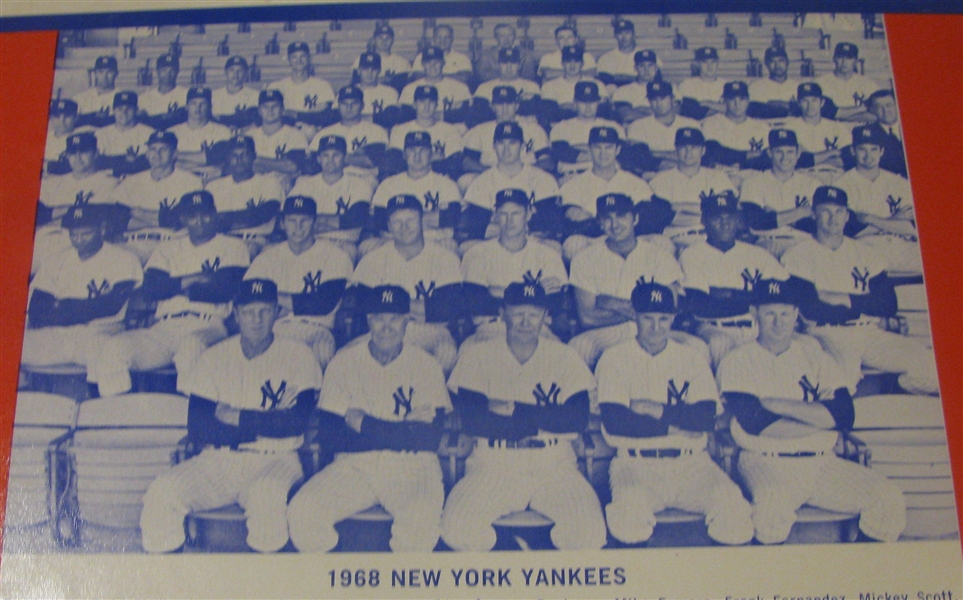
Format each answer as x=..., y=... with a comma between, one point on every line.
x=642, y=487
x=501, y=481
x=59, y=345
x=218, y=477
x=311, y=332
x=406, y=484
x=592, y=343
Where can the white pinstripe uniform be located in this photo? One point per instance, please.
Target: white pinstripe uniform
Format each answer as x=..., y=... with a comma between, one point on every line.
x=191, y=139
x=334, y=199
x=112, y=141
x=658, y=136
x=310, y=95
x=751, y=134
x=259, y=474
x=357, y=137
x=766, y=191
x=230, y=195
x=479, y=138
x=406, y=484
x=445, y=137
x=781, y=484
x=154, y=103
x=502, y=480
x=643, y=486
x=701, y=90
x=824, y=135
x=677, y=187
x=436, y=191
x=451, y=92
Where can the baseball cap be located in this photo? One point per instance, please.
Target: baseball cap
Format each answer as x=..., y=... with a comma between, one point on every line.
x=706, y=53
x=387, y=299
x=869, y=134
x=81, y=142
x=432, y=53
x=653, y=298
x=658, y=89
x=603, y=135
x=384, y=29
x=196, y=201
x=126, y=99
x=509, y=130
x=512, y=55
x=847, y=50
x=587, y=91
x=298, y=47
x=63, y=106
x=106, y=62
x=87, y=215
x=774, y=291
x=333, y=142
x=523, y=293
x=772, y=52
x=235, y=61
x=199, y=92
x=725, y=201
x=350, y=92
x=168, y=60
x=689, y=136
x=242, y=141
x=809, y=90
x=735, y=89
x=369, y=60
x=782, y=137
x=162, y=137
x=513, y=195
x=613, y=203
x=414, y=139
x=300, y=205
x=827, y=194
x=504, y=94
x=644, y=56
x=404, y=202
x=623, y=25
x=256, y=290
x=572, y=54
x=269, y=96
x=426, y=92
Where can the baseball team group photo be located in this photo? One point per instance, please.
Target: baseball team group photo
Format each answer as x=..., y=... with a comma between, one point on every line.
x=502, y=282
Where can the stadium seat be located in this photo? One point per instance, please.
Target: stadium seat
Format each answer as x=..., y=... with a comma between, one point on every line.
x=66, y=380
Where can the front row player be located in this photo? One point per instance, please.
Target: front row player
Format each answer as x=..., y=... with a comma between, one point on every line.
x=388, y=392
x=658, y=402
x=250, y=397
x=524, y=398
x=790, y=403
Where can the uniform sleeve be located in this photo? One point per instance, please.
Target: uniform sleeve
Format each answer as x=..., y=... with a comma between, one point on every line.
x=447, y=268
x=382, y=194
x=702, y=385
x=575, y=373
x=734, y=374
x=473, y=266
x=407, y=95
x=552, y=263
x=796, y=264
x=272, y=190
x=453, y=143
x=667, y=270
x=339, y=264
x=397, y=136
x=433, y=392
x=472, y=139
x=479, y=192
x=720, y=181
x=771, y=268
x=695, y=276
x=235, y=254
x=132, y=269
x=159, y=259
x=378, y=135
x=202, y=379
x=582, y=273
x=308, y=371
x=469, y=373
x=336, y=389
x=262, y=268
x=539, y=138
x=612, y=386
x=367, y=272
x=559, y=133
x=360, y=191
x=545, y=185
x=448, y=192
x=296, y=140
x=661, y=186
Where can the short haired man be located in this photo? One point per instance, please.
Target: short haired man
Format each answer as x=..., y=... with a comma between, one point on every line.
x=816, y=134
x=487, y=67
x=617, y=66
x=847, y=88
x=778, y=88
x=452, y=93
x=199, y=133
x=706, y=88
x=446, y=138
x=305, y=94
x=479, y=148
x=376, y=96
x=740, y=138
x=83, y=185
x=570, y=137
x=366, y=141
x=882, y=105
x=550, y=65
x=457, y=65
x=235, y=103
x=126, y=140
x=658, y=131
x=62, y=123
x=562, y=89
x=631, y=99
x=96, y=103
x=279, y=147
x=167, y=97
x=509, y=68
x=395, y=68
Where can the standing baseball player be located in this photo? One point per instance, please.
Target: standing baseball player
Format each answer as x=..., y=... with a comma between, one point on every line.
x=165, y=99
x=311, y=275
x=395, y=68
x=479, y=148
x=457, y=65
x=303, y=92
x=779, y=88
x=562, y=89
x=446, y=138
x=707, y=87
x=509, y=65
x=95, y=103
x=250, y=398
x=617, y=66
x=631, y=99
x=388, y=392
x=367, y=141
x=659, y=130
x=824, y=138
x=376, y=95
x=658, y=402
x=789, y=404
x=452, y=94
x=126, y=140
x=550, y=65
x=235, y=103
x=279, y=147
x=524, y=398
x=569, y=138
x=847, y=88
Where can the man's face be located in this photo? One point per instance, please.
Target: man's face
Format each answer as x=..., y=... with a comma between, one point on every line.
x=298, y=227
x=198, y=109
x=505, y=111
x=235, y=75
x=810, y=106
x=736, y=107
x=509, y=152
x=778, y=67
x=444, y=38
x=625, y=39
x=508, y=70
x=404, y=225
x=690, y=155
x=240, y=161
x=271, y=111
x=383, y=43
x=844, y=65
x=160, y=155
x=433, y=68
x=784, y=158
x=167, y=76
x=369, y=75
x=524, y=321
x=425, y=108
x=777, y=322
x=586, y=110
x=565, y=38
x=256, y=320
x=331, y=161
x=511, y=219
x=654, y=327
x=646, y=70
x=104, y=78
x=350, y=109
x=124, y=115
x=708, y=68
x=87, y=239
x=867, y=155
x=82, y=162
x=662, y=105
x=604, y=154
x=299, y=60
x=884, y=108
x=505, y=37
x=201, y=223
x=418, y=158
x=387, y=330
x=722, y=227
x=618, y=227
x=572, y=68
x=831, y=219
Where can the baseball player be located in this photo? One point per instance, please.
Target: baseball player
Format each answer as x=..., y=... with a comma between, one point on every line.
x=376, y=96
x=394, y=67
x=658, y=131
x=658, y=402
x=304, y=92
x=823, y=137
x=733, y=130
x=789, y=404
x=420, y=268
x=562, y=89
x=509, y=66
x=845, y=86
x=79, y=295
x=250, y=398
x=96, y=103
x=167, y=97
x=721, y=274
x=479, y=149
x=524, y=398
x=457, y=65
x=311, y=275
x=550, y=65
x=83, y=185
x=453, y=94
x=779, y=89
x=279, y=147
x=193, y=280
x=707, y=87
x=569, y=138
x=617, y=66
x=445, y=136
x=882, y=105
x=631, y=99
x=126, y=140
x=488, y=67
x=882, y=201
x=199, y=133
x=62, y=124
x=235, y=103
x=366, y=140
x=388, y=392
x=853, y=293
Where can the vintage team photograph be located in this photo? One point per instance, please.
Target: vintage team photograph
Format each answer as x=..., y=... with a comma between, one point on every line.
x=471, y=283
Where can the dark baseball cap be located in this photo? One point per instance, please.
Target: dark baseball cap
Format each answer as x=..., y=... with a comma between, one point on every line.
x=369, y=60
x=772, y=52
x=168, y=60
x=827, y=194
x=809, y=89
x=689, y=136
x=869, y=134
x=300, y=205
x=64, y=106
x=706, y=53
x=572, y=54
x=509, y=130
x=426, y=92
x=270, y=96
x=256, y=290
x=587, y=91
x=524, y=293
x=235, y=61
x=125, y=99
x=645, y=56
x=724, y=201
x=84, y=215
x=504, y=94
x=653, y=298
x=404, y=202
x=603, y=135
x=432, y=53
x=658, y=89
x=414, y=139
x=350, y=92
x=782, y=137
x=391, y=299
x=512, y=55
x=199, y=92
x=735, y=89
x=196, y=201
x=613, y=203
x=298, y=47
x=623, y=25
x=846, y=50
x=81, y=142
x=513, y=195
x=333, y=142
x=245, y=142
x=384, y=29
x=775, y=291
x=162, y=137
x=106, y=62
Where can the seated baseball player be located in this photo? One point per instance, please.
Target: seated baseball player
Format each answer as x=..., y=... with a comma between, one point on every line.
x=882, y=105
x=452, y=93
x=631, y=100
x=617, y=66
x=367, y=140
x=778, y=89
x=562, y=89
x=789, y=404
x=420, y=268
x=308, y=96
x=457, y=65
x=124, y=143
x=61, y=125
x=569, y=138
x=847, y=88
x=235, y=104
x=524, y=398
x=162, y=106
x=779, y=198
x=192, y=279
x=395, y=68
x=280, y=148
x=736, y=138
x=376, y=96
x=446, y=138
x=310, y=274
x=658, y=402
x=198, y=134
x=705, y=88
x=479, y=149
x=550, y=65
x=250, y=398
x=83, y=185
x=658, y=131
x=247, y=203
x=95, y=104
x=882, y=201
x=487, y=66
x=822, y=137
x=388, y=394
x=720, y=275
x=78, y=296
x=853, y=294
x=509, y=65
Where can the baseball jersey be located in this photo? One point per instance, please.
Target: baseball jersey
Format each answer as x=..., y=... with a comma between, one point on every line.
x=584, y=189
x=616, y=62
x=825, y=135
x=562, y=90
x=677, y=187
x=492, y=265
x=445, y=137
x=845, y=270
x=455, y=62
x=433, y=268
x=155, y=103
x=533, y=181
x=113, y=141
x=480, y=138
x=225, y=103
x=739, y=268
x=847, y=92
x=434, y=189
x=702, y=90
x=357, y=136
x=598, y=270
x=279, y=143
x=179, y=257
x=391, y=65
x=377, y=98
x=191, y=139
x=751, y=134
x=230, y=195
x=67, y=190
x=768, y=192
x=92, y=101
x=881, y=197
x=144, y=192
x=270, y=381
x=56, y=146
x=451, y=92
x=575, y=131
x=634, y=93
x=356, y=380
x=525, y=88
x=764, y=90
x=334, y=198
x=310, y=95
x=553, y=60
x=658, y=136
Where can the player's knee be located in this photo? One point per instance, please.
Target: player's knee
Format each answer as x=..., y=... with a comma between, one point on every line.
x=310, y=531
x=629, y=524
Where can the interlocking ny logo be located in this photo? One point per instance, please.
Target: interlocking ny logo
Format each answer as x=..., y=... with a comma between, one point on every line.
x=529, y=145
x=750, y=279
x=860, y=278
x=402, y=401
x=359, y=143
x=133, y=150
x=704, y=195
x=439, y=147
x=432, y=200
x=342, y=205
x=172, y=106
x=423, y=291
x=447, y=103
x=377, y=106
x=310, y=101
x=167, y=203
x=82, y=199
x=755, y=144
x=270, y=399
x=831, y=143
x=810, y=391
x=95, y=291
x=859, y=99
x=209, y=267
x=675, y=395
x=549, y=398
x=532, y=279
x=280, y=150
x=802, y=201
x=311, y=282
x=893, y=204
